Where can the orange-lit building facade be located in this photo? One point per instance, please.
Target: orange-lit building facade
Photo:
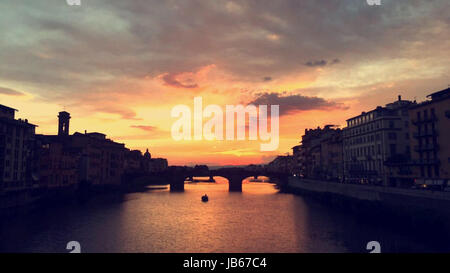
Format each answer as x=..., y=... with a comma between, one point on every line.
x=58, y=165
x=66, y=159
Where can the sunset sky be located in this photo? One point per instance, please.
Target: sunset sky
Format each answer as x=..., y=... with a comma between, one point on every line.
x=119, y=67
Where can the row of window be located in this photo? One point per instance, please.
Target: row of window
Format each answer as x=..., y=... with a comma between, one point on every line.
x=13, y=184
x=376, y=165
x=425, y=114
x=372, y=126
x=16, y=164
x=372, y=138
x=428, y=171
x=372, y=150
x=361, y=120
x=63, y=179
x=363, y=139
x=9, y=152
x=15, y=130
x=363, y=151
x=15, y=175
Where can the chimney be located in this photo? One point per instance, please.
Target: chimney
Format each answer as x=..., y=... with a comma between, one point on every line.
x=399, y=97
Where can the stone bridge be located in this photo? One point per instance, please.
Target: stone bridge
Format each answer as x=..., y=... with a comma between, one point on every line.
x=235, y=175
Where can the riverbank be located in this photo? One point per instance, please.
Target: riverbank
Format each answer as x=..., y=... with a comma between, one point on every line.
x=424, y=214
x=25, y=201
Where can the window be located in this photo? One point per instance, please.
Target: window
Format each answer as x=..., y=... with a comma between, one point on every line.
x=392, y=136
x=391, y=124
x=393, y=149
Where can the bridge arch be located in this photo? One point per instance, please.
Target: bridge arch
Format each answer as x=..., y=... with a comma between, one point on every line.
x=235, y=177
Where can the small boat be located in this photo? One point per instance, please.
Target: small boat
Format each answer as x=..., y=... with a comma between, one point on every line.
x=205, y=198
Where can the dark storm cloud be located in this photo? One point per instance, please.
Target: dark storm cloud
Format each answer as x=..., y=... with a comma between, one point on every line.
x=322, y=63
x=335, y=61
x=170, y=79
x=10, y=92
x=61, y=49
x=290, y=103
x=316, y=63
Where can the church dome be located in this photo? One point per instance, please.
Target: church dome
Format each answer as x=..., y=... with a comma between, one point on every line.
x=147, y=155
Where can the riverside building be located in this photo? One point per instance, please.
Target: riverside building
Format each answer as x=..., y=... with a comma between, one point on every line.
x=375, y=138
x=17, y=152
x=431, y=134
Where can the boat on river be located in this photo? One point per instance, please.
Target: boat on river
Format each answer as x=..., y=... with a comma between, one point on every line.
x=205, y=198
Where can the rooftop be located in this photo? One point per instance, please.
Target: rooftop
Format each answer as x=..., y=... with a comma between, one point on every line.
x=4, y=107
x=440, y=94
x=435, y=97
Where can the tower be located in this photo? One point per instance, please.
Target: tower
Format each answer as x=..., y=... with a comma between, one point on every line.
x=63, y=123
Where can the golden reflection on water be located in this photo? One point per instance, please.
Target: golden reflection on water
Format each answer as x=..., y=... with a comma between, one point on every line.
x=258, y=219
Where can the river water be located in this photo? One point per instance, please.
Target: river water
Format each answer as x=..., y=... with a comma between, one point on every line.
x=260, y=219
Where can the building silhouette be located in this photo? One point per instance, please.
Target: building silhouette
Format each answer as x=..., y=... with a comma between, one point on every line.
x=431, y=131
x=403, y=144
x=374, y=138
x=136, y=162
x=320, y=154
x=298, y=155
x=282, y=163
x=90, y=157
x=17, y=152
x=429, y=165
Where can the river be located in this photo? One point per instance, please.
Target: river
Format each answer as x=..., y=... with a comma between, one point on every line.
x=260, y=219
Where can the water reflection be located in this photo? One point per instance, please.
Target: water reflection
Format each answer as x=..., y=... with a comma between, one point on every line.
x=257, y=220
